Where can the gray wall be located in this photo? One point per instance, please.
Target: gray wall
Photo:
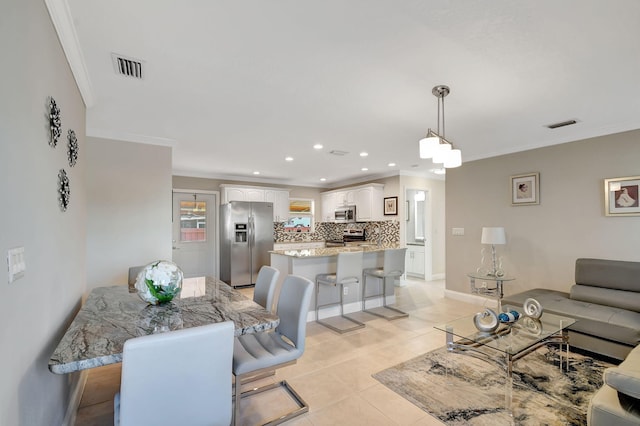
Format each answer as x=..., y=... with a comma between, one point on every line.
x=37, y=308
x=129, y=210
x=543, y=241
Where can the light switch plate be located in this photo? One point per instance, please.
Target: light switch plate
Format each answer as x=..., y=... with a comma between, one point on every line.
x=16, y=263
x=457, y=231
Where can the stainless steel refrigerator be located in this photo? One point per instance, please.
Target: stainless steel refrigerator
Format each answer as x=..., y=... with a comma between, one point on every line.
x=246, y=236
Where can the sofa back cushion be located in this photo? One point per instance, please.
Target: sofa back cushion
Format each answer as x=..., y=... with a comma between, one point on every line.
x=629, y=300
x=612, y=274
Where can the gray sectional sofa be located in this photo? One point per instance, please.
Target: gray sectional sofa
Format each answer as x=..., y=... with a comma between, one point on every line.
x=605, y=300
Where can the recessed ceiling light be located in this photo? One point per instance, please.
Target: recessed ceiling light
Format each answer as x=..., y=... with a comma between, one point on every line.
x=364, y=169
x=288, y=158
x=364, y=154
x=439, y=171
x=323, y=179
x=318, y=146
x=391, y=164
x=256, y=172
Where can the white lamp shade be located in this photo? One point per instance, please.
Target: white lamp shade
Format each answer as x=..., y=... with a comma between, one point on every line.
x=493, y=236
x=454, y=159
x=428, y=146
x=441, y=153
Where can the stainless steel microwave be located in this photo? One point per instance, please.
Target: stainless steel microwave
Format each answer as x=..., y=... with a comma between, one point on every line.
x=345, y=214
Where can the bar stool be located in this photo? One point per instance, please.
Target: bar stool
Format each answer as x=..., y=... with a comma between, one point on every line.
x=348, y=271
x=393, y=267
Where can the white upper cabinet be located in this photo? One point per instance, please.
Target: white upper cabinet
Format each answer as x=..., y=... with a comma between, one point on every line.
x=279, y=198
x=368, y=200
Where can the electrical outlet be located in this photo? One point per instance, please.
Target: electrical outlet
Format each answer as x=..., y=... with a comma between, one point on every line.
x=15, y=263
x=345, y=291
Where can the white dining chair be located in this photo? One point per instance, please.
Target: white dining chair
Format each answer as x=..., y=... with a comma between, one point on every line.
x=254, y=354
x=177, y=378
x=265, y=288
x=393, y=267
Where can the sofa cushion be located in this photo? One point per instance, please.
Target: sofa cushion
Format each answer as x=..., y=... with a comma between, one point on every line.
x=614, y=274
x=605, y=296
x=615, y=324
x=608, y=408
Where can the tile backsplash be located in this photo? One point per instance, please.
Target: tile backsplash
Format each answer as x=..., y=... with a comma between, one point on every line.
x=387, y=231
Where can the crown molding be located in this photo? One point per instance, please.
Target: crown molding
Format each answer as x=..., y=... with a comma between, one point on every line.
x=63, y=24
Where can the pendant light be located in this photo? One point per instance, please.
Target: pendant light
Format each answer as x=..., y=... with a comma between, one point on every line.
x=434, y=145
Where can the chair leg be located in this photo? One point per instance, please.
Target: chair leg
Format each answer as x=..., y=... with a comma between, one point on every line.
x=303, y=407
x=358, y=324
x=397, y=313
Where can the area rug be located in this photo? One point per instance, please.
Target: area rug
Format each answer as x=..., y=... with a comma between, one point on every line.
x=459, y=389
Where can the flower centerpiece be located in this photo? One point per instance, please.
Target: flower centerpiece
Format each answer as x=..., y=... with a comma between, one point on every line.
x=159, y=282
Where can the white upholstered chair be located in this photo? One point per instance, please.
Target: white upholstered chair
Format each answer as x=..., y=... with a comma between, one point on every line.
x=348, y=271
x=393, y=267
x=254, y=354
x=265, y=288
x=177, y=378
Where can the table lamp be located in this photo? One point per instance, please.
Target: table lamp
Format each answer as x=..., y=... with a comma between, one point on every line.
x=493, y=236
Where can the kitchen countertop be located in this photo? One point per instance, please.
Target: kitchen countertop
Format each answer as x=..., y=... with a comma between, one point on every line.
x=333, y=251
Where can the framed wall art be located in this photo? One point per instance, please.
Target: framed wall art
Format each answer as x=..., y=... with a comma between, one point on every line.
x=391, y=206
x=525, y=189
x=621, y=196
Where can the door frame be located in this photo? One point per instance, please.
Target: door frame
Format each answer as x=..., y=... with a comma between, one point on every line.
x=216, y=228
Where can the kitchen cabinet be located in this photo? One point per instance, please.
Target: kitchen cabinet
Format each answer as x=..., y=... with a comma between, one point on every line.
x=279, y=197
x=280, y=200
x=368, y=200
x=328, y=200
x=414, y=263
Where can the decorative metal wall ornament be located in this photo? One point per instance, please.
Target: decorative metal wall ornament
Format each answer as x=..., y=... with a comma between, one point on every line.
x=72, y=151
x=55, y=123
x=63, y=190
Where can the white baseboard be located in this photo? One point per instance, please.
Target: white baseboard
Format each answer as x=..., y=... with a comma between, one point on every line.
x=74, y=401
x=441, y=276
x=471, y=298
x=349, y=308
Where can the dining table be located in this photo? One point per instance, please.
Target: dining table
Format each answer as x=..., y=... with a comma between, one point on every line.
x=112, y=315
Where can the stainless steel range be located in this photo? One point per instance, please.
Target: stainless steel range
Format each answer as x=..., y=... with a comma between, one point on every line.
x=349, y=235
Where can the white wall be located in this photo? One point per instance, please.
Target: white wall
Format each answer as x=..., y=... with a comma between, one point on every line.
x=129, y=210
x=37, y=308
x=543, y=241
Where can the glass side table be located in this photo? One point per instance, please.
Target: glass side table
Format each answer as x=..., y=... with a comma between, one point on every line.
x=484, y=289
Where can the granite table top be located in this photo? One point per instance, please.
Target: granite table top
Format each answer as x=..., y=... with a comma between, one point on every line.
x=112, y=315
x=333, y=251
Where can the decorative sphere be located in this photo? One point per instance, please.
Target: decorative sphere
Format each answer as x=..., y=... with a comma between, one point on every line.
x=159, y=282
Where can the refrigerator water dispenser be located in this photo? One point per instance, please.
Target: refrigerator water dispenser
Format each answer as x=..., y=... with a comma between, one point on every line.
x=241, y=232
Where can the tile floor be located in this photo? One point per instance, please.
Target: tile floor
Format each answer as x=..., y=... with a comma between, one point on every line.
x=334, y=374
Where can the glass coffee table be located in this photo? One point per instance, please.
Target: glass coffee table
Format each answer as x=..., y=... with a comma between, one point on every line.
x=510, y=342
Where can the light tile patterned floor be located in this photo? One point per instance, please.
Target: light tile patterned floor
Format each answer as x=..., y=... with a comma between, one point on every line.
x=334, y=374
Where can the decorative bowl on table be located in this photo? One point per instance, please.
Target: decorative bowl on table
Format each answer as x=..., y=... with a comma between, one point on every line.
x=159, y=282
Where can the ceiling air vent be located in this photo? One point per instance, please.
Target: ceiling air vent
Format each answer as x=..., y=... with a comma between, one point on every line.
x=128, y=67
x=338, y=152
x=561, y=124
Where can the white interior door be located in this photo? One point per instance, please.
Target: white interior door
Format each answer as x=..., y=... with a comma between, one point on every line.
x=195, y=233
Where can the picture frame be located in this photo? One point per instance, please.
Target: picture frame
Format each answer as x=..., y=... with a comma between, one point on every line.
x=390, y=206
x=525, y=189
x=622, y=196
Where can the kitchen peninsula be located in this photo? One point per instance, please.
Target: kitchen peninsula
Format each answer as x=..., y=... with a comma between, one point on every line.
x=311, y=262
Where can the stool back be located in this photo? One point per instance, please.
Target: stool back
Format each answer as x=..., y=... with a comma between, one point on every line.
x=349, y=268
x=394, y=261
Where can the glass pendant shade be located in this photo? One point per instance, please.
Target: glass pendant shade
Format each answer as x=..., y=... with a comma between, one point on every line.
x=428, y=146
x=442, y=153
x=454, y=159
